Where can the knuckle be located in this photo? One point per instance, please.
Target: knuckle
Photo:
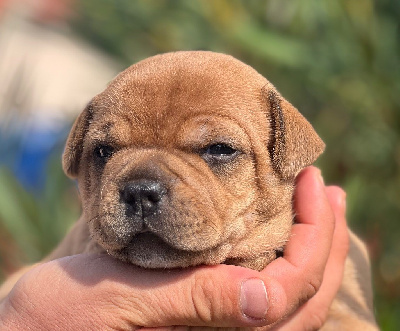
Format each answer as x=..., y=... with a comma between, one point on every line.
x=29, y=298
x=213, y=302
x=316, y=320
x=203, y=298
x=115, y=306
x=313, y=285
x=19, y=297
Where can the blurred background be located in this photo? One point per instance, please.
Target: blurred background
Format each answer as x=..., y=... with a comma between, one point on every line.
x=337, y=61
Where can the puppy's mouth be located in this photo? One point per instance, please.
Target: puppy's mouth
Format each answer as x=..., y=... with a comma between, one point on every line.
x=152, y=226
x=148, y=250
x=146, y=238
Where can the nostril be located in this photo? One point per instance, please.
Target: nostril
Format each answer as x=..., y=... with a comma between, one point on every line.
x=143, y=196
x=131, y=194
x=154, y=197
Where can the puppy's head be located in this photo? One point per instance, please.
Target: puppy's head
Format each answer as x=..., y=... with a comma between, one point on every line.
x=189, y=158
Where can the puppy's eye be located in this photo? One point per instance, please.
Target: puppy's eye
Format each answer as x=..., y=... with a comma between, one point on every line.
x=220, y=150
x=219, y=153
x=103, y=152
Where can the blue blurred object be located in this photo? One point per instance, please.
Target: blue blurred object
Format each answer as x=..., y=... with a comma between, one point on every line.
x=26, y=149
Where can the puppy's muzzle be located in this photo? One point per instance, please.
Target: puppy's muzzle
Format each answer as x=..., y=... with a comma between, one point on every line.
x=142, y=197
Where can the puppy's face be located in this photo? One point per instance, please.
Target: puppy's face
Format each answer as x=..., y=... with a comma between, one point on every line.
x=189, y=158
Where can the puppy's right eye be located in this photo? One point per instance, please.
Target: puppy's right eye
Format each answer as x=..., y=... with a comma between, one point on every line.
x=103, y=152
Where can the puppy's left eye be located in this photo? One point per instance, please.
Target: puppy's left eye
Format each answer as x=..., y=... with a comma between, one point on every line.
x=103, y=152
x=219, y=153
x=220, y=150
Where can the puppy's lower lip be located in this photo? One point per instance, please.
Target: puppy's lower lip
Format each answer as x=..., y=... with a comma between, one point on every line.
x=151, y=237
x=148, y=236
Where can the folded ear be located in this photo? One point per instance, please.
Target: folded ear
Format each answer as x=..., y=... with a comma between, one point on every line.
x=293, y=143
x=74, y=146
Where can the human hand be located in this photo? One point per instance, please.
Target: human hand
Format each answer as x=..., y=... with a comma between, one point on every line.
x=99, y=292
x=313, y=314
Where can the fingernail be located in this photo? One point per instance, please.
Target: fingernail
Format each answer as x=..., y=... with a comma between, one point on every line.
x=254, y=299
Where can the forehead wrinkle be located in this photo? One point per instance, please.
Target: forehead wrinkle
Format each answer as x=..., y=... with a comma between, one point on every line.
x=205, y=121
x=120, y=132
x=107, y=131
x=141, y=113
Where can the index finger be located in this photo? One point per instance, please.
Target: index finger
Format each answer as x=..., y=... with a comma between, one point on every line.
x=299, y=273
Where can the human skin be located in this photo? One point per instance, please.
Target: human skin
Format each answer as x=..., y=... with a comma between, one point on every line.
x=293, y=292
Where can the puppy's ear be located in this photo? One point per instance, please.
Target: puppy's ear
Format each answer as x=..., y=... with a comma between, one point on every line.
x=293, y=143
x=74, y=146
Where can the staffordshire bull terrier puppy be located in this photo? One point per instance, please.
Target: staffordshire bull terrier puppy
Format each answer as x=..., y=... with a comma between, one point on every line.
x=190, y=158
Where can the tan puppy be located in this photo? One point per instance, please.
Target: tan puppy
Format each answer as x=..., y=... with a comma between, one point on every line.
x=189, y=158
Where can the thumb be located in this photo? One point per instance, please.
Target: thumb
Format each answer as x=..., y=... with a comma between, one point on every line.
x=205, y=296
x=99, y=292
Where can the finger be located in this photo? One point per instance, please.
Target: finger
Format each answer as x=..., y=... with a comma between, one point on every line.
x=334, y=270
x=340, y=247
x=314, y=222
x=101, y=291
x=301, y=269
x=314, y=313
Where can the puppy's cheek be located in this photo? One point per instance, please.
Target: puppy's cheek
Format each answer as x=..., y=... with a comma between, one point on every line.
x=199, y=214
x=192, y=229
x=107, y=219
x=240, y=186
x=112, y=231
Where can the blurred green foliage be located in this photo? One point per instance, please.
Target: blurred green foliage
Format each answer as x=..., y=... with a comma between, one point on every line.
x=338, y=61
x=31, y=225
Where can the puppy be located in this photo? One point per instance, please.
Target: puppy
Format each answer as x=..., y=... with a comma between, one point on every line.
x=187, y=159
x=190, y=158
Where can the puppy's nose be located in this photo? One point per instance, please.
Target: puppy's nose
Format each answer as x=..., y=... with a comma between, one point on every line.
x=143, y=196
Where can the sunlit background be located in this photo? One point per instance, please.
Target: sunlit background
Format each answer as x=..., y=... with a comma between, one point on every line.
x=337, y=61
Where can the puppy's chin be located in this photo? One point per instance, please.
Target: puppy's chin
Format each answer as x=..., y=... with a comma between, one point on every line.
x=148, y=250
